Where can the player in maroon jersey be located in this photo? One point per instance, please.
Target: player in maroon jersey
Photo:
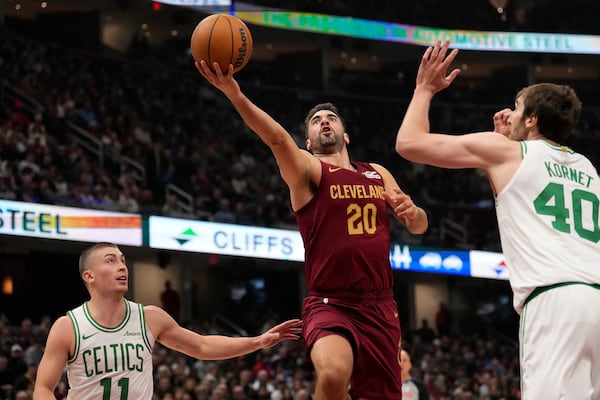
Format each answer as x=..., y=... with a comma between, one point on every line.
x=351, y=323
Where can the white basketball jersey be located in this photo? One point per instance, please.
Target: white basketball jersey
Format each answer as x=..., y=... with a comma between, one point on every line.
x=548, y=220
x=111, y=363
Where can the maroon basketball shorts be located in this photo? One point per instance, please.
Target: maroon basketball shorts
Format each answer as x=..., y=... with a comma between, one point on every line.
x=371, y=325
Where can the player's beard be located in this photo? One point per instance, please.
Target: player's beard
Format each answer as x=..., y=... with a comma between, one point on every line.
x=324, y=143
x=518, y=132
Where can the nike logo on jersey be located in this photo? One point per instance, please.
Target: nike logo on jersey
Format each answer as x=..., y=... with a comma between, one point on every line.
x=89, y=336
x=332, y=169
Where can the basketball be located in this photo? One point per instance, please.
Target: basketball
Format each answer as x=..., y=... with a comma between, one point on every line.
x=224, y=39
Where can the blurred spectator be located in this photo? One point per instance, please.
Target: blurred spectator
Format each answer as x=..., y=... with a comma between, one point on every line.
x=220, y=392
x=100, y=198
x=425, y=332
x=17, y=120
x=128, y=180
x=169, y=299
x=262, y=384
x=7, y=191
x=126, y=201
x=171, y=208
x=28, y=166
x=61, y=187
x=35, y=350
x=224, y=213
x=200, y=210
x=138, y=46
x=237, y=393
x=163, y=381
x=36, y=132
x=245, y=381
x=23, y=395
x=25, y=381
x=16, y=363
x=7, y=377
x=242, y=214
x=443, y=320
x=302, y=394
x=88, y=115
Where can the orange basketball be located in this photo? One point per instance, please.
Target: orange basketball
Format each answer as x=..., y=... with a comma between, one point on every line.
x=224, y=39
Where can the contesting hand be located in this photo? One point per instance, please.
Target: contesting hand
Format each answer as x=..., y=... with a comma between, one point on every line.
x=432, y=75
x=290, y=329
x=501, y=124
x=402, y=205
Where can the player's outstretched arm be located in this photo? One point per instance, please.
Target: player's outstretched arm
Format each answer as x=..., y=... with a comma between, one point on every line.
x=297, y=166
x=415, y=142
x=214, y=347
x=269, y=130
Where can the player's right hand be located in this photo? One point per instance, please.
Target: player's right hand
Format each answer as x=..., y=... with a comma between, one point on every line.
x=501, y=124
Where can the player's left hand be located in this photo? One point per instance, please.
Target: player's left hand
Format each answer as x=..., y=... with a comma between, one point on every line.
x=432, y=75
x=290, y=329
x=402, y=205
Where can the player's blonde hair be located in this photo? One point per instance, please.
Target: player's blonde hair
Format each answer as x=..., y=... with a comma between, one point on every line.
x=87, y=253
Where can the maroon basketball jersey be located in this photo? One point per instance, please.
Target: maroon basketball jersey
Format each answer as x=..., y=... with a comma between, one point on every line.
x=345, y=229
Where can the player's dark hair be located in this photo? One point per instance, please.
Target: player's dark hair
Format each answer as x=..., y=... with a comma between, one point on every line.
x=556, y=107
x=316, y=109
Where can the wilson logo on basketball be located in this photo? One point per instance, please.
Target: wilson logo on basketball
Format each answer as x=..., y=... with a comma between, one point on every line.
x=239, y=61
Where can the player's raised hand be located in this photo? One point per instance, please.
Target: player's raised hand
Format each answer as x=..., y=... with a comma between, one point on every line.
x=226, y=83
x=433, y=70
